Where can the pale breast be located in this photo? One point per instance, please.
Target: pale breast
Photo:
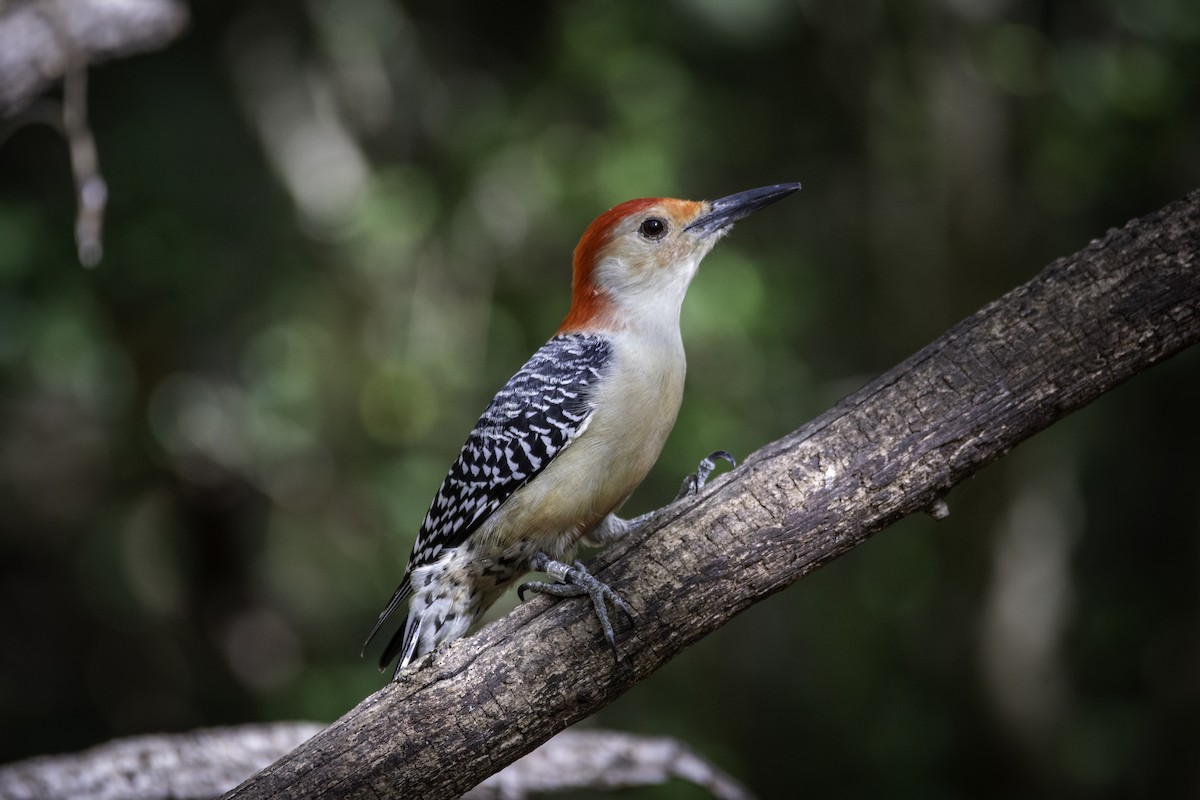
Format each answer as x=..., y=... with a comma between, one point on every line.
x=636, y=406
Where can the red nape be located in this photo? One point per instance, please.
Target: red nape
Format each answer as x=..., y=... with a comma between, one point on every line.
x=590, y=307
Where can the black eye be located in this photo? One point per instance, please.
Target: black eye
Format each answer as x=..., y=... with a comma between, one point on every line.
x=653, y=228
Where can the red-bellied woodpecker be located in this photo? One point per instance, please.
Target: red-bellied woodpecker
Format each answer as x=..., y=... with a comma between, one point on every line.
x=571, y=435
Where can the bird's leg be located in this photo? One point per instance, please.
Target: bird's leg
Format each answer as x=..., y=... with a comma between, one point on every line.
x=574, y=582
x=693, y=483
x=613, y=529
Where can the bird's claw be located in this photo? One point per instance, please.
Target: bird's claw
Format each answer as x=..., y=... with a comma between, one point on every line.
x=693, y=483
x=576, y=581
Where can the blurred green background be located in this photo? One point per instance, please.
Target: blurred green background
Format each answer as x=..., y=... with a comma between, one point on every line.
x=336, y=227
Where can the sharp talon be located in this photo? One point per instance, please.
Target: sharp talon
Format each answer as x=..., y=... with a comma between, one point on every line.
x=578, y=581
x=688, y=487
x=620, y=603
x=723, y=455
x=693, y=483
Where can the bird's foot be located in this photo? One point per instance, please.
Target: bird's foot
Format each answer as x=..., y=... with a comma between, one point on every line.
x=575, y=581
x=693, y=483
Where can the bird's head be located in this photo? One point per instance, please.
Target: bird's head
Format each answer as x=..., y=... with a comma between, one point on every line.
x=636, y=260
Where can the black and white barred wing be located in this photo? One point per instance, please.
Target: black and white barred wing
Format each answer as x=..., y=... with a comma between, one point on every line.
x=538, y=413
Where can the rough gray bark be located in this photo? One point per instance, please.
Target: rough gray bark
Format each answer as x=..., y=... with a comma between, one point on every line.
x=186, y=766
x=604, y=760
x=205, y=763
x=1083, y=325
x=42, y=40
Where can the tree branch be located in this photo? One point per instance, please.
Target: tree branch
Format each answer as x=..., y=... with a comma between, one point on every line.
x=41, y=40
x=205, y=763
x=1082, y=326
x=198, y=764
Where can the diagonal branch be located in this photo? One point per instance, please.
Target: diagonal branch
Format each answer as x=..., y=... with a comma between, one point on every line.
x=1082, y=326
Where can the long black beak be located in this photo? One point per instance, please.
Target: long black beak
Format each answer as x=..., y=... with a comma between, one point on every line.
x=728, y=210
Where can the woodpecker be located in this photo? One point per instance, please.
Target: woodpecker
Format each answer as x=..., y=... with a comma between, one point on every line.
x=572, y=434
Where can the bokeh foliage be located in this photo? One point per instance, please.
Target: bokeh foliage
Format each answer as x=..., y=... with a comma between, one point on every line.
x=337, y=226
